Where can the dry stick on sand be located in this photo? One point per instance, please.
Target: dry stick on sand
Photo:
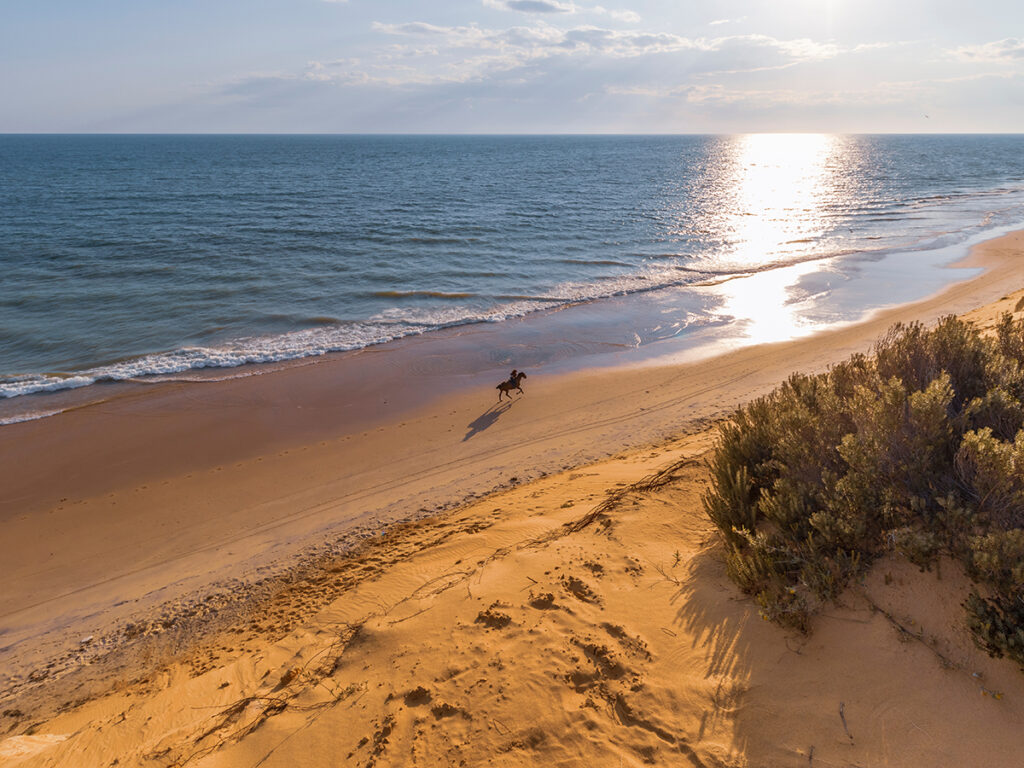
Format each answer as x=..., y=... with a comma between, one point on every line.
x=275, y=705
x=651, y=482
x=672, y=579
x=905, y=633
x=842, y=716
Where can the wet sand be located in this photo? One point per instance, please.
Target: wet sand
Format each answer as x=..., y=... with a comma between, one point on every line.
x=114, y=510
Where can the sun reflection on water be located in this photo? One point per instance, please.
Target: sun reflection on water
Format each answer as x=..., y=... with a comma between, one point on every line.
x=766, y=306
x=781, y=188
x=780, y=183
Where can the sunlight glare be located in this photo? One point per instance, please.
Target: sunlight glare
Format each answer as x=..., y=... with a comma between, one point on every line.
x=765, y=307
x=782, y=184
x=780, y=181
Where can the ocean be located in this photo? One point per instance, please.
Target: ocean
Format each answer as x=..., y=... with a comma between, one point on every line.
x=127, y=258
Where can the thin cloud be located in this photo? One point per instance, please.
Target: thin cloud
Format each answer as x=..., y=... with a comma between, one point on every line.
x=719, y=22
x=630, y=17
x=1008, y=49
x=911, y=85
x=424, y=55
x=752, y=98
x=531, y=6
x=423, y=28
x=589, y=39
x=555, y=7
x=879, y=94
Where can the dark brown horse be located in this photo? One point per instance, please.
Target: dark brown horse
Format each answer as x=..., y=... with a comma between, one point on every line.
x=509, y=384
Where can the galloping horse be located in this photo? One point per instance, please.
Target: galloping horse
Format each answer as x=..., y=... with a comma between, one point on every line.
x=513, y=383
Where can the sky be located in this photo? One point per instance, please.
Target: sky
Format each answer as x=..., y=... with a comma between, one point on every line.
x=511, y=66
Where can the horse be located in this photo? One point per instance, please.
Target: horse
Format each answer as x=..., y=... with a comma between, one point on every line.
x=509, y=384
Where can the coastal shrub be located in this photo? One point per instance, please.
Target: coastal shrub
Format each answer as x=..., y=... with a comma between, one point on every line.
x=917, y=450
x=763, y=567
x=997, y=625
x=999, y=410
x=997, y=560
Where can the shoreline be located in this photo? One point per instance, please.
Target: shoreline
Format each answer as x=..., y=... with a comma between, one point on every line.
x=277, y=521
x=113, y=509
x=563, y=257
x=610, y=331
x=391, y=380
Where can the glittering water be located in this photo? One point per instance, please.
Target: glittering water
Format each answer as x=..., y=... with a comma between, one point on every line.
x=124, y=256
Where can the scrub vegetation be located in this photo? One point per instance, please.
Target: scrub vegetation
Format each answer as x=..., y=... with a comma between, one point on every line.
x=917, y=449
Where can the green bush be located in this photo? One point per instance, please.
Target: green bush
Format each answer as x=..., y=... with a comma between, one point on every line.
x=998, y=626
x=916, y=450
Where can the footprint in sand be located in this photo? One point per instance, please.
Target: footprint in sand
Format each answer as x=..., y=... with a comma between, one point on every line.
x=605, y=666
x=543, y=601
x=603, y=659
x=493, y=619
x=443, y=710
x=633, y=645
x=580, y=590
x=417, y=697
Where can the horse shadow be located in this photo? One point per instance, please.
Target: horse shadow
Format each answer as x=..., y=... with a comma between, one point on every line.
x=486, y=419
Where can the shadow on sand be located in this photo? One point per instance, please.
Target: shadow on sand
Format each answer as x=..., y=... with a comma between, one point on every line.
x=718, y=620
x=486, y=419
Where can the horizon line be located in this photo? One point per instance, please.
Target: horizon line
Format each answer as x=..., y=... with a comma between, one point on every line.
x=507, y=134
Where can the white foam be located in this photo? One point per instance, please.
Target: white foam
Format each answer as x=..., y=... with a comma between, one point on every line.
x=390, y=324
x=396, y=322
x=29, y=416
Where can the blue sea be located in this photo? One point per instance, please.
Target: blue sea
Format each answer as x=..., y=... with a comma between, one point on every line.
x=132, y=257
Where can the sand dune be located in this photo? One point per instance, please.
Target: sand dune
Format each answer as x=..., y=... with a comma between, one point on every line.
x=581, y=617
x=528, y=629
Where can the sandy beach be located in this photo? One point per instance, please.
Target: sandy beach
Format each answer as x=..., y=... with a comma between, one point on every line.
x=196, y=574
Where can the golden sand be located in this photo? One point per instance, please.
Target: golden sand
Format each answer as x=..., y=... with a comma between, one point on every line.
x=578, y=615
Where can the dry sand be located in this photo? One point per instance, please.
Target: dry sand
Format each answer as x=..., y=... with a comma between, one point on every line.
x=580, y=618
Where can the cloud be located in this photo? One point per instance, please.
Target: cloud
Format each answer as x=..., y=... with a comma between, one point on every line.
x=1009, y=49
x=716, y=94
x=423, y=55
x=538, y=6
x=538, y=75
x=554, y=6
x=531, y=6
x=630, y=17
x=934, y=82
x=423, y=28
x=543, y=63
x=878, y=94
x=801, y=49
x=718, y=22
x=544, y=39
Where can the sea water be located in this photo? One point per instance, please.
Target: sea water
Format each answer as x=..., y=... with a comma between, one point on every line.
x=132, y=257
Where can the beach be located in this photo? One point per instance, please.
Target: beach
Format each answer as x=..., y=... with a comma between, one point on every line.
x=362, y=562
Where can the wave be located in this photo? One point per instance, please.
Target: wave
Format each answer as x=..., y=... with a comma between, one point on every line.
x=424, y=294
x=387, y=325
x=293, y=345
x=323, y=334
x=527, y=297
x=598, y=262
x=30, y=416
x=327, y=335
